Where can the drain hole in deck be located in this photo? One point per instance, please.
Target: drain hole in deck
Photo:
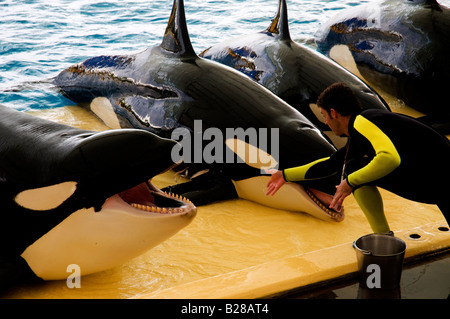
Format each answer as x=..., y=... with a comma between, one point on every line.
x=443, y=228
x=414, y=236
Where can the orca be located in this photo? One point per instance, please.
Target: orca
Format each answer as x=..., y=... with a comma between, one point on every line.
x=168, y=88
x=77, y=197
x=402, y=45
x=292, y=71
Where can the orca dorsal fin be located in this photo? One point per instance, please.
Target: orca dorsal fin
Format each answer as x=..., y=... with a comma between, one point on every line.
x=176, y=38
x=280, y=24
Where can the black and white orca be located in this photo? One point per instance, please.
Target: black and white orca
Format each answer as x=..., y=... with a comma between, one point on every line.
x=169, y=87
x=71, y=196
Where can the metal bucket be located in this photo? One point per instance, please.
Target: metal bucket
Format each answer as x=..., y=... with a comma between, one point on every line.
x=380, y=260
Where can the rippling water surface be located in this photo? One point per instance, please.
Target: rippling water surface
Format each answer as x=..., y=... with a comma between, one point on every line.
x=39, y=39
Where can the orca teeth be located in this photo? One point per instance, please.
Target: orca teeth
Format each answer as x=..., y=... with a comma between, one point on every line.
x=335, y=215
x=164, y=210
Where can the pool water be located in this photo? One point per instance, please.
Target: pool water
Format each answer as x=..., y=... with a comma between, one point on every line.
x=41, y=37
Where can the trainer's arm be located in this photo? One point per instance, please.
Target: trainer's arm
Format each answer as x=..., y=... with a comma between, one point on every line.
x=386, y=157
x=320, y=168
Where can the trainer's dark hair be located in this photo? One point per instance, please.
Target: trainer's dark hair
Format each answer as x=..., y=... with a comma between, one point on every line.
x=340, y=97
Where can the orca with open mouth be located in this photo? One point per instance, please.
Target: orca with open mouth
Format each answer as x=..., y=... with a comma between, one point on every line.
x=71, y=196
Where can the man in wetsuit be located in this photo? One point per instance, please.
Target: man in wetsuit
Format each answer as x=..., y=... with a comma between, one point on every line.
x=384, y=149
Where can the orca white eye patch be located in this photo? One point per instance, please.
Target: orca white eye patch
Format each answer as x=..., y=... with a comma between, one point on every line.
x=46, y=198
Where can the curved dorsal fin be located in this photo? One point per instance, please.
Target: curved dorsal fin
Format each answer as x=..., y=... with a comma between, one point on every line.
x=176, y=38
x=280, y=24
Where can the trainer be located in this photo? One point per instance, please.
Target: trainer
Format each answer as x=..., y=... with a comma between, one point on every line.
x=384, y=149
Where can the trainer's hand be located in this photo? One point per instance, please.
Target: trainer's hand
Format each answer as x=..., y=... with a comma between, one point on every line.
x=342, y=191
x=275, y=182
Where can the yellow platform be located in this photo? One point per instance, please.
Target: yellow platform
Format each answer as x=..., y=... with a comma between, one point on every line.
x=240, y=249
x=290, y=273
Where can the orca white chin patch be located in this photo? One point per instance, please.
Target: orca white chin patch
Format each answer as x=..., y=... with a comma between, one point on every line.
x=342, y=55
x=46, y=198
x=251, y=155
x=103, y=108
x=290, y=197
x=97, y=241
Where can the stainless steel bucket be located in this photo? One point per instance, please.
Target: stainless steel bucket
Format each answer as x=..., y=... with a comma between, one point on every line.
x=380, y=260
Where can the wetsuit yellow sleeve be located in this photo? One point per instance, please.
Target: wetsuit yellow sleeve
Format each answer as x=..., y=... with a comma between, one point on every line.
x=299, y=173
x=386, y=157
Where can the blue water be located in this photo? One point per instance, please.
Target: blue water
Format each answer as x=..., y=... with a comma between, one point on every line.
x=40, y=38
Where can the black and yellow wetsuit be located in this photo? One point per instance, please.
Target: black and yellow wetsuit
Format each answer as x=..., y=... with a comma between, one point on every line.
x=392, y=151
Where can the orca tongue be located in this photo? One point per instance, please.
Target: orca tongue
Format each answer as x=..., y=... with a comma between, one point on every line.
x=140, y=194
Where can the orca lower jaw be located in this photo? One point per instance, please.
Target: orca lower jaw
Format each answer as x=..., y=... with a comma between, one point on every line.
x=148, y=198
x=323, y=201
